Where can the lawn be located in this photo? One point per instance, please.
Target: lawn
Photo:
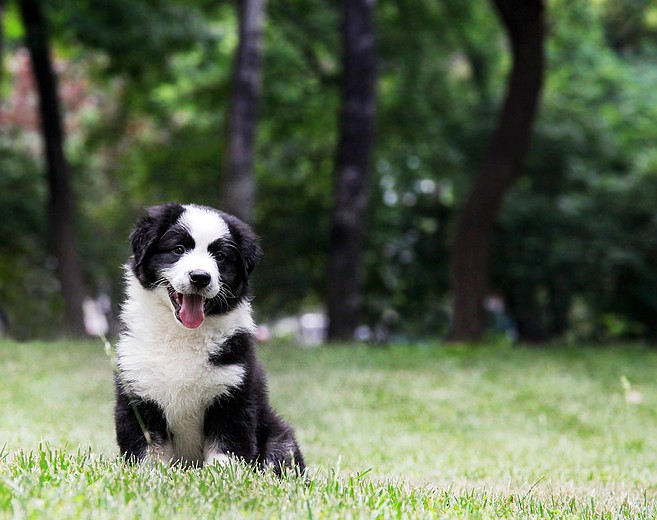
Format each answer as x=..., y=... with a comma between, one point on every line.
x=404, y=431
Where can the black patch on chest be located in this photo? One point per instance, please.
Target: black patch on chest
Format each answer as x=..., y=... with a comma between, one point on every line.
x=232, y=351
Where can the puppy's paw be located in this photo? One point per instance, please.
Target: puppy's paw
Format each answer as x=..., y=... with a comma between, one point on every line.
x=160, y=453
x=214, y=456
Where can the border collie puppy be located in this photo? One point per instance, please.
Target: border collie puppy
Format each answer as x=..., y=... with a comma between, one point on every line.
x=187, y=368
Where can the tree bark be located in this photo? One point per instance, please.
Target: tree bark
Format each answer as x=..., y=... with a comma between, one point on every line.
x=347, y=236
x=60, y=202
x=470, y=263
x=239, y=186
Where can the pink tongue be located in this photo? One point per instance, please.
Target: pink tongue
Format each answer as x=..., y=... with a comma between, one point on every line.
x=191, y=311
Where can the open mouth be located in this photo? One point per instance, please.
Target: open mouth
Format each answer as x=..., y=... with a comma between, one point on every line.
x=188, y=308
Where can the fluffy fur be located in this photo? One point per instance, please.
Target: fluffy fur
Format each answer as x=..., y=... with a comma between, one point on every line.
x=186, y=359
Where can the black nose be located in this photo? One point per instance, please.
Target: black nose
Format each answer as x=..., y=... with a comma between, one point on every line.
x=200, y=279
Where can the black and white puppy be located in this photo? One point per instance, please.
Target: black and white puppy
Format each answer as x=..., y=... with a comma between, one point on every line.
x=186, y=358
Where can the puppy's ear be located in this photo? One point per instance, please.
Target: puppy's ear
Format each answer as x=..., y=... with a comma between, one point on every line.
x=150, y=228
x=247, y=243
x=142, y=238
x=252, y=253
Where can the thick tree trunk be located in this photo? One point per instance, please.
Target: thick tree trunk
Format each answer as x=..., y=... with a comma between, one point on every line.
x=60, y=203
x=347, y=236
x=238, y=190
x=523, y=20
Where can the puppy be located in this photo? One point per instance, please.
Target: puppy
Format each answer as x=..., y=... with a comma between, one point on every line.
x=187, y=367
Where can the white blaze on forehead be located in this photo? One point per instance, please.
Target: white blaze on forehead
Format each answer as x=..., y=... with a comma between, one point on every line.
x=204, y=225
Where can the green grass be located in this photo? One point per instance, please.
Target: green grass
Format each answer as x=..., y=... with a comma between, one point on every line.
x=402, y=432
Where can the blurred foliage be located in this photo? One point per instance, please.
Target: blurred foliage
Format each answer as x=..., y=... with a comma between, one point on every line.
x=28, y=287
x=578, y=236
x=145, y=87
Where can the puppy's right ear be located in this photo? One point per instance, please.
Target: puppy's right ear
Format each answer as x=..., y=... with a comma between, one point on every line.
x=143, y=237
x=151, y=227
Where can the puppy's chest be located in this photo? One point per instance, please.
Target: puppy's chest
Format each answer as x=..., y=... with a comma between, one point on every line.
x=179, y=376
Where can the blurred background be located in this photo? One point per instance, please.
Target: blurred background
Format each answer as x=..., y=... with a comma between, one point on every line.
x=415, y=168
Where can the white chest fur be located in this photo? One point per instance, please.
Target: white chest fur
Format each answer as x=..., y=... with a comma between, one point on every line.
x=164, y=362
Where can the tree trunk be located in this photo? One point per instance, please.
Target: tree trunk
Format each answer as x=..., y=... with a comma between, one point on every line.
x=238, y=190
x=60, y=203
x=347, y=235
x=523, y=21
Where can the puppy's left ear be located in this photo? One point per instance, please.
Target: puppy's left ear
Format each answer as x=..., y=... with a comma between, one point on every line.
x=247, y=243
x=252, y=253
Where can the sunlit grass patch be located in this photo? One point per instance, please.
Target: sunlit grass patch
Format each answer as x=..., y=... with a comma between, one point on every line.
x=405, y=431
x=80, y=484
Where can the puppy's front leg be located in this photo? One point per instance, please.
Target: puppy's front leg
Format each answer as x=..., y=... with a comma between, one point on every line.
x=229, y=431
x=132, y=416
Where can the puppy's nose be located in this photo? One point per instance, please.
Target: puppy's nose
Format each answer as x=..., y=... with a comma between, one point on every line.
x=200, y=279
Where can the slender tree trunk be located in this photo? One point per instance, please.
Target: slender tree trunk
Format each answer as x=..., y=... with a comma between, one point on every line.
x=347, y=236
x=524, y=23
x=60, y=204
x=238, y=193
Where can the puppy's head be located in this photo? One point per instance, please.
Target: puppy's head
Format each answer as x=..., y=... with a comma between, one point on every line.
x=198, y=258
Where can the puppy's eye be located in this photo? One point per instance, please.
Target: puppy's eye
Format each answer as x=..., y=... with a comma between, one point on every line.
x=219, y=256
x=178, y=250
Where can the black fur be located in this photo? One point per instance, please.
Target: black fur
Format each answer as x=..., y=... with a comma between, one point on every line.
x=149, y=230
x=241, y=422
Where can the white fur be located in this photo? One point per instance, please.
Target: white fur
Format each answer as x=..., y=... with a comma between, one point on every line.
x=164, y=362
x=162, y=452
x=215, y=456
x=178, y=274
x=205, y=227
